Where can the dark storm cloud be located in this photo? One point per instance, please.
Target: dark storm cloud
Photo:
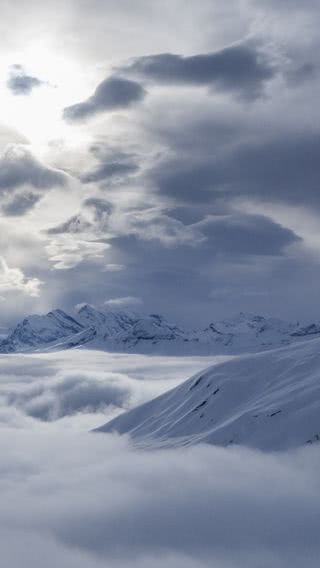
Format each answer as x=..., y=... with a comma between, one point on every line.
x=20, y=83
x=112, y=94
x=241, y=68
x=19, y=167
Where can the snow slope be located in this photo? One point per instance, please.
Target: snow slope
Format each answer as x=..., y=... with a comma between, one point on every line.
x=269, y=401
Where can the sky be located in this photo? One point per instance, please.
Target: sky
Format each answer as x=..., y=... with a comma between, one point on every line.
x=161, y=156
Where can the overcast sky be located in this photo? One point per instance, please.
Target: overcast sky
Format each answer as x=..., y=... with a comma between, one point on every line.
x=163, y=155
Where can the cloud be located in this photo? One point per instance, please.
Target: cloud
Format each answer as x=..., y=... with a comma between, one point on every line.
x=65, y=251
x=112, y=94
x=153, y=224
x=76, y=224
x=14, y=280
x=246, y=234
x=125, y=301
x=110, y=267
x=116, y=170
x=18, y=203
x=272, y=167
x=19, y=167
x=69, y=394
x=96, y=501
x=83, y=387
x=101, y=208
x=20, y=83
x=242, y=68
x=106, y=221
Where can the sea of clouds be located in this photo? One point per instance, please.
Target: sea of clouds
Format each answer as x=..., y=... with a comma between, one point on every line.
x=74, y=499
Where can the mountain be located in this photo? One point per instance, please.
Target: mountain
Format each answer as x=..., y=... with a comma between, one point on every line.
x=129, y=332
x=249, y=331
x=108, y=323
x=269, y=401
x=38, y=330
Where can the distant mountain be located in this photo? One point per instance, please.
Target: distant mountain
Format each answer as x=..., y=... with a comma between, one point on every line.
x=122, y=331
x=36, y=330
x=269, y=401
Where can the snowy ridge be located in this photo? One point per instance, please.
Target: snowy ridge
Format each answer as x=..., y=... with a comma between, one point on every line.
x=120, y=331
x=269, y=401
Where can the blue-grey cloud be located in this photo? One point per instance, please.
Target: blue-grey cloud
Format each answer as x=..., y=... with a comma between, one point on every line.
x=281, y=168
x=241, y=68
x=112, y=94
x=20, y=83
x=246, y=235
x=19, y=203
x=19, y=167
x=110, y=170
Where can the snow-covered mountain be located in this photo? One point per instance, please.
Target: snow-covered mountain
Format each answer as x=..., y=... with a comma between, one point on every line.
x=108, y=323
x=37, y=330
x=245, y=331
x=121, y=331
x=269, y=401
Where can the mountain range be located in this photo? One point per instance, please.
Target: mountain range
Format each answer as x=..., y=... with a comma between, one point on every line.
x=121, y=331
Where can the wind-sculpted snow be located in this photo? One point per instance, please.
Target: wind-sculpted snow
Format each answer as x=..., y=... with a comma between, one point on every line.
x=268, y=401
